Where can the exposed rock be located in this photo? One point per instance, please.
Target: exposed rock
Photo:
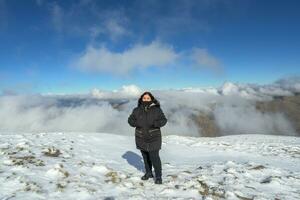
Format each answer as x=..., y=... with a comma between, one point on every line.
x=288, y=105
x=52, y=152
x=206, y=124
x=258, y=167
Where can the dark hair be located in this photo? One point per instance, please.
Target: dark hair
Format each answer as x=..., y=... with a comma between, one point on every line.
x=152, y=98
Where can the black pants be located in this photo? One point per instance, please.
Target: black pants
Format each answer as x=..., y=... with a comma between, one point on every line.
x=151, y=158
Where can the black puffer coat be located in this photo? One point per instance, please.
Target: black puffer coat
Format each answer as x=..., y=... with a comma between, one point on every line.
x=147, y=121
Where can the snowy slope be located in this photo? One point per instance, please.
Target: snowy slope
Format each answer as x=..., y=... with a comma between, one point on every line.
x=108, y=166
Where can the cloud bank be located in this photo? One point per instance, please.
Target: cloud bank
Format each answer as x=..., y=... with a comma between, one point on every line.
x=107, y=111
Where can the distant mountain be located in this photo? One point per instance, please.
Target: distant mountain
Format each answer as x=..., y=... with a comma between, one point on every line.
x=288, y=105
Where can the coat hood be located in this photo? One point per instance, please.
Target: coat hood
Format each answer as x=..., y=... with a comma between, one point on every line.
x=155, y=102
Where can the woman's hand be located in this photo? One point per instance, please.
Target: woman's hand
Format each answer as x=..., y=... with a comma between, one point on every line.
x=132, y=120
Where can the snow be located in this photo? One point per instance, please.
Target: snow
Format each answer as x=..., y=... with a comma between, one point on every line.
x=108, y=166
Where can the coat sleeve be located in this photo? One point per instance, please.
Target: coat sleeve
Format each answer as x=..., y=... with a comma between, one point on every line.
x=161, y=119
x=132, y=119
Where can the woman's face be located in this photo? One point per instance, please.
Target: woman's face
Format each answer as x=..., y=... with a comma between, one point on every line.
x=146, y=97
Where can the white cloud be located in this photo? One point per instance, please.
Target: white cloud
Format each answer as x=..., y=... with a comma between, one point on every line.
x=115, y=29
x=204, y=59
x=38, y=113
x=233, y=112
x=138, y=57
x=127, y=91
x=85, y=19
x=112, y=25
x=244, y=118
x=57, y=14
x=39, y=2
x=282, y=87
x=289, y=83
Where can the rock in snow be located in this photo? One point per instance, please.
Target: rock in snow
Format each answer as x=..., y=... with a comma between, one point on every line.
x=108, y=166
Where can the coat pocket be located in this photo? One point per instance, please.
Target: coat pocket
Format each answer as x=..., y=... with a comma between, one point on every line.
x=154, y=132
x=138, y=133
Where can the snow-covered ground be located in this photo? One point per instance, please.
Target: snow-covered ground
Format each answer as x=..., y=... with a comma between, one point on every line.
x=108, y=166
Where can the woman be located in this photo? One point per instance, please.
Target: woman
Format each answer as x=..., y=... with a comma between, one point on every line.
x=148, y=118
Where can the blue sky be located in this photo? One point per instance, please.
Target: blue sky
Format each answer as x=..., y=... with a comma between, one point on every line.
x=75, y=46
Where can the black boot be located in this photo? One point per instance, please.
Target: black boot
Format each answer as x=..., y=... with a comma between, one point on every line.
x=158, y=180
x=147, y=176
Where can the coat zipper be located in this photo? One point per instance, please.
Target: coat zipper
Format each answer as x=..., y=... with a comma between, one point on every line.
x=148, y=130
x=147, y=121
